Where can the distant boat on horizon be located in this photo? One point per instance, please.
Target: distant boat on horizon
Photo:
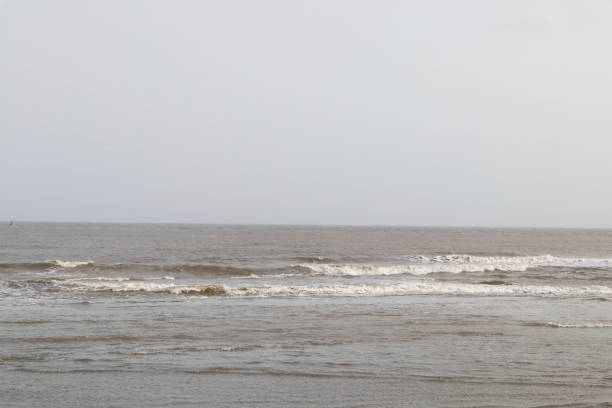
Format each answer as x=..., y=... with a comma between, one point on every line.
x=11, y=223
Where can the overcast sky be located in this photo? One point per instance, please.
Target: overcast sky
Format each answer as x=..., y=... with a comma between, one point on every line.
x=485, y=113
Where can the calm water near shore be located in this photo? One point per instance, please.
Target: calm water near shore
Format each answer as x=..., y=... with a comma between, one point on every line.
x=118, y=315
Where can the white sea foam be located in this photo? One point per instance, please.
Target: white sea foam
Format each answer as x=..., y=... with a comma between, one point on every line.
x=117, y=285
x=70, y=264
x=573, y=326
x=403, y=288
x=273, y=276
x=119, y=278
x=422, y=265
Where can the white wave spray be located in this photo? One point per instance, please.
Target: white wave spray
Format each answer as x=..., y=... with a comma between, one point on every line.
x=423, y=265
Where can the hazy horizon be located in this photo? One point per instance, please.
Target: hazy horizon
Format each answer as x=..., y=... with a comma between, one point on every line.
x=229, y=224
x=474, y=113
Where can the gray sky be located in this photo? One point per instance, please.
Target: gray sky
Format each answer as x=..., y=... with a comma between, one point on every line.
x=493, y=113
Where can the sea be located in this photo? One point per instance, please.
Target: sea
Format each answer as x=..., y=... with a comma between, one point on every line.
x=138, y=315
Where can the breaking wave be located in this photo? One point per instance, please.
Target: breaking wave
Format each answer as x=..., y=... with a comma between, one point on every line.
x=402, y=288
x=411, y=265
x=70, y=264
x=423, y=265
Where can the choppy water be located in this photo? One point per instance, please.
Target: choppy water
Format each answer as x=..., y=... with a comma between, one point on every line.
x=227, y=316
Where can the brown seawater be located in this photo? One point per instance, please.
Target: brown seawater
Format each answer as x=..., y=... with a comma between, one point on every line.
x=112, y=315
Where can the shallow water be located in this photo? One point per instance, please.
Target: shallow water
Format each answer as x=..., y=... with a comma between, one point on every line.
x=164, y=315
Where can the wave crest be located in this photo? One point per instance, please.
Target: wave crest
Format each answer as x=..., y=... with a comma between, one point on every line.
x=394, y=289
x=570, y=326
x=424, y=265
x=70, y=264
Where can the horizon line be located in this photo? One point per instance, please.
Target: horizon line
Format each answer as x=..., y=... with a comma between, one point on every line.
x=241, y=224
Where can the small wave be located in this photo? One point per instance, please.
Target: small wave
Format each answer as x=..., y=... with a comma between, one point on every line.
x=204, y=290
x=70, y=264
x=240, y=348
x=271, y=276
x=49, y=264
x=570, y=326
x=494, y=282
x=20, y=358
x=27, y=265
x=277, y=373
x=25, y=322
x=313, y=259
x=108, y=278
x=203, y=269
x=193, y=269
x=77, y=339
x=68, y=371
x=137, y=353
x=119, y=338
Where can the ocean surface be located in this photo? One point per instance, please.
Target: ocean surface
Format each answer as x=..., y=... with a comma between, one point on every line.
x=118, y=315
